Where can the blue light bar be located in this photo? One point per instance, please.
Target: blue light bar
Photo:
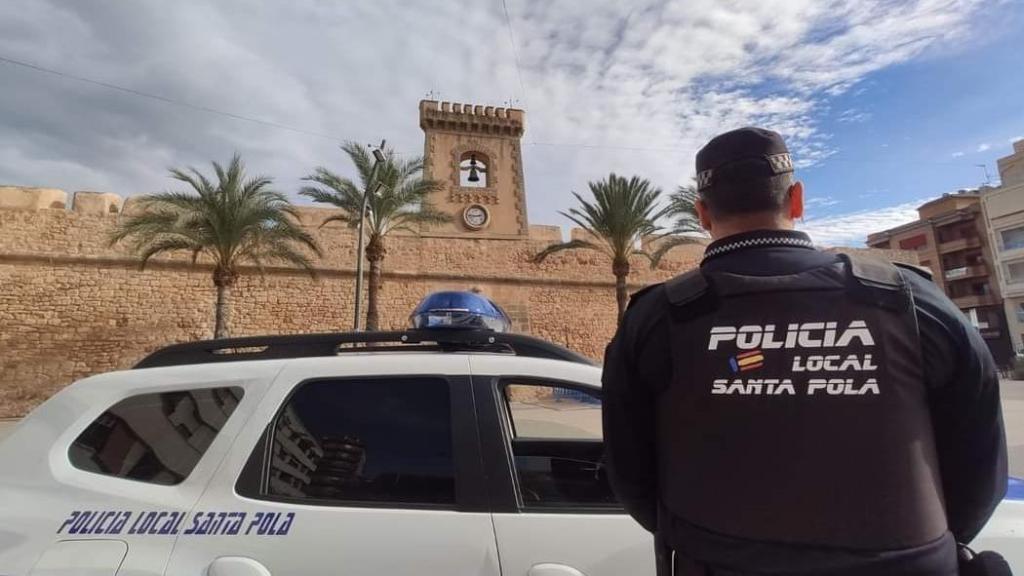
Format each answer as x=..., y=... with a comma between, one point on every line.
x=459, y=310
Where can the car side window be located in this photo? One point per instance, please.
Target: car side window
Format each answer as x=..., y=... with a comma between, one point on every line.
x=557, y=446
x=385, y=441
x=156, y=438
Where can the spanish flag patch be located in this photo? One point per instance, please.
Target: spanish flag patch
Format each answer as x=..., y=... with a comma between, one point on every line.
x=746, y=361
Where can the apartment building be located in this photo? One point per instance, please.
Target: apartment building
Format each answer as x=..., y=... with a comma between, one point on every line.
x=951, y=238
x=1003, y=209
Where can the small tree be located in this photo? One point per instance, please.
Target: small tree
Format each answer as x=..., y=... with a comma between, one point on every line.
x=686, y=228
x=622, y=214
x=234, y=221
x=401, y=204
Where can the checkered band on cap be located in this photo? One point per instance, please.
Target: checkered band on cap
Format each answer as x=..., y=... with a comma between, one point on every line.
x=780, y=163
x=704, y=179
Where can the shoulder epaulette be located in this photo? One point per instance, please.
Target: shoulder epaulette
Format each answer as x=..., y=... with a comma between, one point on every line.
x=874, y=271
x=686, y=288
x=635, y=296
x=919, y=270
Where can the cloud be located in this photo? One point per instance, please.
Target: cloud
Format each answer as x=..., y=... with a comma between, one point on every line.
x=958, y=154
x=984, y=146
x=852, y=229
x=853, y=116
x=821, y=202
x=632, y=87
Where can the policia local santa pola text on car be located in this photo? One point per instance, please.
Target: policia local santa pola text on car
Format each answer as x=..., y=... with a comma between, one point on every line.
x=787, y=410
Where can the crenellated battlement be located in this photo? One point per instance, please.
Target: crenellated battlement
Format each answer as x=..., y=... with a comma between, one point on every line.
x=457, y=117
x=82, y=202
x=31, y=198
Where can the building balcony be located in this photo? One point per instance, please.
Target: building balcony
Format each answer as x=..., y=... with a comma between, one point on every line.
x=959, y=244
x=961, y=272
x=975, y=301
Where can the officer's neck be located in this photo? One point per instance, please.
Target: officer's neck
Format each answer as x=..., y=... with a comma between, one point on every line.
x=740, y=224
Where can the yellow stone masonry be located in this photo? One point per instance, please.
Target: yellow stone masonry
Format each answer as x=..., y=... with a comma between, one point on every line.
x=71, y=306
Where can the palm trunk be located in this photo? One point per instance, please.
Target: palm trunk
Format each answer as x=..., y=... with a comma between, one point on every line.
x=621, y=270
x=375, y=252
x=222, y=310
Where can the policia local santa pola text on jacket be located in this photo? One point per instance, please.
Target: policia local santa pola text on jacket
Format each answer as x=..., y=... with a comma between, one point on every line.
x=782, y=419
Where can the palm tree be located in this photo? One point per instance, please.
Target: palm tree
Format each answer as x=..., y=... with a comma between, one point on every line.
x=622, y=214
x=400, y=203
x=232, y=221
x=686, y=228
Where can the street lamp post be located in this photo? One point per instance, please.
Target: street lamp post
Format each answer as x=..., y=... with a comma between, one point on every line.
x=372, y=187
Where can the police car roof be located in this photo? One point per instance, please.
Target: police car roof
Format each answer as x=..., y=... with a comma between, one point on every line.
x=334, y=344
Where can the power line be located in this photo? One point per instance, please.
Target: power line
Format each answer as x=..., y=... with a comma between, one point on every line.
x=166, y=100
x=232, y=115
x=607, y=147
x=515, y=51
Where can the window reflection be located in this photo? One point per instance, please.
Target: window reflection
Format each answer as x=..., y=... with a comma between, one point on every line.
x=157, y=438
x=371, y=441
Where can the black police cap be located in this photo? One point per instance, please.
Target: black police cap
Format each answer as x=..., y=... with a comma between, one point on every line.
x=743, y=154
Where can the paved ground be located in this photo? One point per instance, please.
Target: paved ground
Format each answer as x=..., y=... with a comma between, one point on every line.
x=5, y=428
x=1013, y=413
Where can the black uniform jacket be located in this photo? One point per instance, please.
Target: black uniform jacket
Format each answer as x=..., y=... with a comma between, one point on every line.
x=961, y=378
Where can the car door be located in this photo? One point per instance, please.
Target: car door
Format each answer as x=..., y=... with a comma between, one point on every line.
x=554, y=513
x=361, y=465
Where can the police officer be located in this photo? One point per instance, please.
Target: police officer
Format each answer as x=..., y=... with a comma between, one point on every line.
x=784, y=410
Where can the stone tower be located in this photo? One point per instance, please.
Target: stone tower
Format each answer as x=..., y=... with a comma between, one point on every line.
x=475, y=151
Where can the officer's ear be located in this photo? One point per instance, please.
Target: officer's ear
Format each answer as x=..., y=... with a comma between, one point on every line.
x=703, y=214
x=796, y=201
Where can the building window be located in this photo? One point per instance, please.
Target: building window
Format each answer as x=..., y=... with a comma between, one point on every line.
x=1015, y=272
x=473, y=170
x=1013, y=238
x=1020, y=312
x=155, y=438
x=914, y=242
x=379, y=441
x=557, y=446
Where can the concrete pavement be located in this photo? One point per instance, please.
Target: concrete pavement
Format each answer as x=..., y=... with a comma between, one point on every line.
x=5, y=427
x=1013, y=413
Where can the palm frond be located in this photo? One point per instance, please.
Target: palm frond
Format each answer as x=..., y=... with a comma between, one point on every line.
x=667, y=243
x=562, y=247
x=237, y=219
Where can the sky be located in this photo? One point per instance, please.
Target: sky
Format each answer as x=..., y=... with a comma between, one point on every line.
x=884, y=104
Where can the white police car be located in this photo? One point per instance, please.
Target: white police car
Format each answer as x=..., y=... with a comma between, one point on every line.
x=464, y=451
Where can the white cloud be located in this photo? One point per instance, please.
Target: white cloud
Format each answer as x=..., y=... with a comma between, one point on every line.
x=853, y=116
x=816, y=202
x=641, y=84
x=852, y=229
x=984, y=146
x=958, y=154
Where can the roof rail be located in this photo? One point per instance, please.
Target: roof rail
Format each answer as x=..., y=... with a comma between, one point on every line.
x=333, y=344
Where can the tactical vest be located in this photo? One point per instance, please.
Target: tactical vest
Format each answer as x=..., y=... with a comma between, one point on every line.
x=797, y=411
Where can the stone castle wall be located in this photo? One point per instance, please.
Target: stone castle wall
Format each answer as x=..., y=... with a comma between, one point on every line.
x=71, y=305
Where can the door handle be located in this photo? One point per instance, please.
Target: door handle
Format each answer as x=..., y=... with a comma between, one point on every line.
x=553, y=570
x=236, y=566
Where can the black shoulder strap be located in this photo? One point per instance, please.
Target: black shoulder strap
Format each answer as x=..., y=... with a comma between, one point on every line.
x=686, y=288
x=635, y=296
x=874, y=272
x=919, y=270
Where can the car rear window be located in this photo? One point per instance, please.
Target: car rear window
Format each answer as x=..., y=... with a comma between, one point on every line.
x=156, y=438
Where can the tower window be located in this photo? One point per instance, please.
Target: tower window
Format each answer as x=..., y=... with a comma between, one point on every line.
x=473, y=170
